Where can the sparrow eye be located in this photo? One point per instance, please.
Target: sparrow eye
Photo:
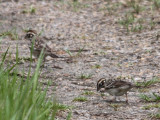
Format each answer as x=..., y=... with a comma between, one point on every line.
x=30, y=35
x=102, y=83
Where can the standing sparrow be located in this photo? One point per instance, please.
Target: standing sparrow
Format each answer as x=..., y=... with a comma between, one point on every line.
x=115, y=87
x=38, y=45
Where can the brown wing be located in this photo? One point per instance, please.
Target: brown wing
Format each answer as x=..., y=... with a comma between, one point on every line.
x=48, y=51
x=117, y=84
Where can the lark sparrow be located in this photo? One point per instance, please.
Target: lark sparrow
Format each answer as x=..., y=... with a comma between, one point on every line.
x=32, y=36
x=115, y=87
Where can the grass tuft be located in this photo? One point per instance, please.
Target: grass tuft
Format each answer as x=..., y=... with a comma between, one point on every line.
x=129, y=19
x=88, y=93
x=156, y=4
x=80, y=99
x=115, y=106
x=147, y=107
x=85, y=76
x=31, y=10
x=11, y=33
x=97, y=66
x=77, y=6
x=22, y=98
x=150, y=98
x=135, y=6
x=148, y=83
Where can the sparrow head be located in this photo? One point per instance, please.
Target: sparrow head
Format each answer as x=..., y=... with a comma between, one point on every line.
x=30, y=34
x=101, y=83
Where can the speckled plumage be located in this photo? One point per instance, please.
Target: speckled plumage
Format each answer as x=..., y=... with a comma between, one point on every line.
x=115, y=87
x=38, y=45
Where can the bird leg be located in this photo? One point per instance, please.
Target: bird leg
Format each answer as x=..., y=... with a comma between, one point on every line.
x=114, y=98
x=126, y=98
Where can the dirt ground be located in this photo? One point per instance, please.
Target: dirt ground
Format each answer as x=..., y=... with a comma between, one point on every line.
x=96, y=26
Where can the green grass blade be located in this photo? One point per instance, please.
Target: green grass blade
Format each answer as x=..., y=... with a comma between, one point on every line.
x=69, y=116
x=4, y=57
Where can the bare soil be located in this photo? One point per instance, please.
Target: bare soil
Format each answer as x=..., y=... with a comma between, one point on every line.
x=95, y=26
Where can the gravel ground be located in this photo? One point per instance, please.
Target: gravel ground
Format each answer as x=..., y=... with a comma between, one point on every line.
x=95, y=26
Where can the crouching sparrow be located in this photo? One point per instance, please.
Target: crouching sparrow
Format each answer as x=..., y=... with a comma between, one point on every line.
x=38, y=45
x=115, y=87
